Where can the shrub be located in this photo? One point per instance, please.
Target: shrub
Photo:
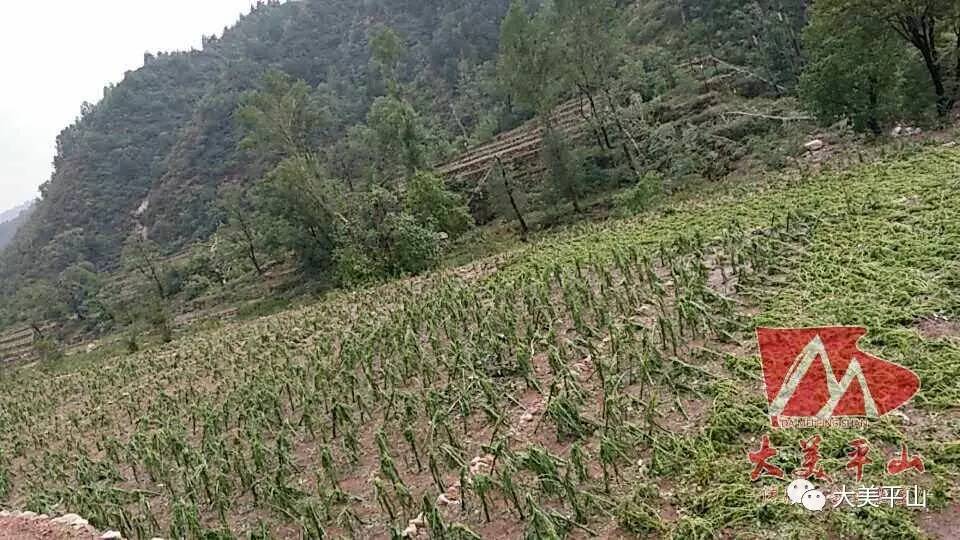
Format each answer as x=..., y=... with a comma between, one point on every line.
x=412, y=247
x=429, y=201
x=642, y=195
x=355, y=266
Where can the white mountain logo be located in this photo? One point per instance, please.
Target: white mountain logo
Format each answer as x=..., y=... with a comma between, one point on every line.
x=836, y=388
x=855, y=383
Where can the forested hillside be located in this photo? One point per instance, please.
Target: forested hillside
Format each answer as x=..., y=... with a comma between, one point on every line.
x=345, y=139
x=166, y=134
x=11, y=220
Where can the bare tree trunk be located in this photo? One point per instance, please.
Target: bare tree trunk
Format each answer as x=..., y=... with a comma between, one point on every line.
x=524, y=229
x=611, y=103
x=921, y=32
x=594, y=118
x=956, y=52
x=872, y=121
x=250, y=244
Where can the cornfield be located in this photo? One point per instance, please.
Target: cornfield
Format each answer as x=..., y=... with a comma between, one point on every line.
x=600, y=383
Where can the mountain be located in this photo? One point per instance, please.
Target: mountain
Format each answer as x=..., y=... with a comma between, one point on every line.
x=164, y=139
x=15, y=212
x=11, y=220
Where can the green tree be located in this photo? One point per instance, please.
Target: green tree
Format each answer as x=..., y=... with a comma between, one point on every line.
x=78, y=287
x=931, y=27
x=591, y=41
x=387, y=51
x=240, y=226
x=504, y=192
x=297, y=201
x=281, y=119
x=530, y=64
x=564, y=171
x=398, y=137
x=435, y=207
x=301, y=208
x=38, y=303
x=141, y=256
x=854, y=69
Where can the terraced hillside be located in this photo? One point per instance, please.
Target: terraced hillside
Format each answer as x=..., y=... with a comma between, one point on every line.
x=599, y=383
x=518, y=148
x=16, y=344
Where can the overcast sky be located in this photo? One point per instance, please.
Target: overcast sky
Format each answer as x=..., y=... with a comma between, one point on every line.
x=56, y=54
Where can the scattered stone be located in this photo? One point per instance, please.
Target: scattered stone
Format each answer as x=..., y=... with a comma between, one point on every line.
x=451, y=497
x=67, y=519
x=416, y=528
x=900, y=414
x=111, y=535
x=481, y=464
x=814, y=145
x=641, y=467
x=28, y=514
x=908, y=131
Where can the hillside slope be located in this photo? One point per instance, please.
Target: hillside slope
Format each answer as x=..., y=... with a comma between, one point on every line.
x=603, y=382
x=11, y=220
x=166, y=134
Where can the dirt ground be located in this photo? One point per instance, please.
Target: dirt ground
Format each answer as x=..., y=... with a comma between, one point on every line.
x=18, y=528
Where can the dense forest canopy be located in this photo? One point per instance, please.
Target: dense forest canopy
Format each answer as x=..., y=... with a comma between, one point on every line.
x=307, y=132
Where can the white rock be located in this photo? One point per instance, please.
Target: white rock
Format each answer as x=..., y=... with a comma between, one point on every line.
x=66, y=519
x=814, y=145
x=111, y=535
x=409, y=532
x=443, y=500
x=79, y=524
x=41, y=517
x=4, y=513
x=27, y=514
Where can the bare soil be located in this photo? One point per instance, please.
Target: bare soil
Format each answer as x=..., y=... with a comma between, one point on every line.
x=943, y=525
x=16, y=528
x=938, y=328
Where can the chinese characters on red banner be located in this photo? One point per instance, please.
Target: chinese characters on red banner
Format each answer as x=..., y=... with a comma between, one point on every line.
x=858, y=455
